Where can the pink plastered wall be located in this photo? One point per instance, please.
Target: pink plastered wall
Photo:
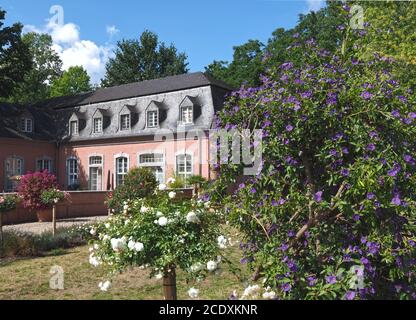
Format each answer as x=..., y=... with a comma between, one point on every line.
x=199, y=149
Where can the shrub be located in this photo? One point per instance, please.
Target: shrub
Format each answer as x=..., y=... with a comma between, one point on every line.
x=331, y=215
x=8, y=203
x=53, y=196
x=31, y=187
x=162, y=233
x=21, y=244
x=139, y=183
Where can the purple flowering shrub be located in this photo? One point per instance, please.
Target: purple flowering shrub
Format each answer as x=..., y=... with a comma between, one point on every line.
x=332, y=213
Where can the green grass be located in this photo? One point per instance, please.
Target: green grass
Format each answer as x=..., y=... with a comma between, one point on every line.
x=28, y=279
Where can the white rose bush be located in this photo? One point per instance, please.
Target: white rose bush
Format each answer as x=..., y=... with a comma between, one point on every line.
x=162, y=233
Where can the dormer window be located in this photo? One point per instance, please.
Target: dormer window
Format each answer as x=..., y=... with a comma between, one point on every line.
x=125, y=122
x=152, y=119
x=26, y=125
x=98, y=125
x=73, y=128
x=187, y=115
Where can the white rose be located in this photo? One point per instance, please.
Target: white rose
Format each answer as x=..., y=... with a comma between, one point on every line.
x=269, y=295
x=104, y=286
x=193, y=293
x=94, y=261
x=159, y=276
x=107, y=225
x=144, y=209
x=118, y=244
x=138, y=247
x=212, y=266
x=93, y=231
x=126, y=207
x=192, y=217
x=207, y=204
x=163, y=221
x=131, y=244
x=172, y=195
x=222, y=242
x=197, y=267
x=162, y=187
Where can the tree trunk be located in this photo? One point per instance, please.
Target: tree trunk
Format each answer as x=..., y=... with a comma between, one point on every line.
x=169, y=285
x=54, y=220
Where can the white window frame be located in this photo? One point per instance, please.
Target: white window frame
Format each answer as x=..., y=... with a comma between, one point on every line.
x=42, y=166
x=72, y=178
x=185, y=174
x=154, y=164
x=16, y=172
x=98, y=129
x=156, y=124
x=183, y=122
x=73, y=132
x=96, y=165
x=26, y=125
x=129, y=122
x=116, y=173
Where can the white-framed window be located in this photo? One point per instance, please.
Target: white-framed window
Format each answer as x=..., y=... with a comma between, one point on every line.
x=44, y=164
x=26, y=124
x=155, y=162
x=152, y=119
x=187, y=115
x=14, y=167
x=184, y=167
x=73, y=128
x=122, y=169
x=96, y=173
x=72, y=172
x=98, y=125
x=125, y=122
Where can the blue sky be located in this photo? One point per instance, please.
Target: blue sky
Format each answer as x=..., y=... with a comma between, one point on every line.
x=205, y=30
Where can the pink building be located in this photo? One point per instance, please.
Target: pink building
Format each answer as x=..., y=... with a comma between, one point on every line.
x=90, y=141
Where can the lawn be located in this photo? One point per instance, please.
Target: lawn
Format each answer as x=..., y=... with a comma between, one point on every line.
x=28, y=279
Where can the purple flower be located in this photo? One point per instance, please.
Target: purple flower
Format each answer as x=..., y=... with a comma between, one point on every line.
x=345, y=172
x=366, y=95
x=345, y=151
x=284, y=247
x=289, y=128
x=412, y=115
x=350, y=295
x=311, y=281
x=333, y=152
x=331, y=279
x=395, y=113
x=282, y=202
x=286, y=287
x=371, y=147
x=318, y=196
x=253, y=190
x=242, y=186
x=364, y=261
x=396, y=200
x=370, y=196
x=393, y=172
x=373, y=247
x=291, y=234
x=409, y=159
x=356, y=217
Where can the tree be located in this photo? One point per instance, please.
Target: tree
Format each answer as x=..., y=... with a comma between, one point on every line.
x=46, y=69
x=73, y=81
x=144, y=59
x=331, y=213
x=246, y=66
x=14, y=57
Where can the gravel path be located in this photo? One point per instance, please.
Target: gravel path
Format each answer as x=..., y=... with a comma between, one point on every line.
x=41, y=227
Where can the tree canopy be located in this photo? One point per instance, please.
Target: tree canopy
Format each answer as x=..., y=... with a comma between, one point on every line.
x=14, y=57
x=143, y=59
x=47, y=67
x=73, y=81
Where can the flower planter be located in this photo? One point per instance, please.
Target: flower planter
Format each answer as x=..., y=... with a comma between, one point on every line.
x=44, y=215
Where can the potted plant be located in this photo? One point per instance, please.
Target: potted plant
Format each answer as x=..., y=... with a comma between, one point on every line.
x=51, y=198
x=30, y=189
x=7, y=203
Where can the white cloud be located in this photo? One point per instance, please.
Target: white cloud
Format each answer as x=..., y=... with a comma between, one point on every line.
x=112, y=31
x=74, y=51
x=315, y=5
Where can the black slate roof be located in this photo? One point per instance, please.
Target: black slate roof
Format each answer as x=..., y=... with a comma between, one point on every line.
x=137, y=89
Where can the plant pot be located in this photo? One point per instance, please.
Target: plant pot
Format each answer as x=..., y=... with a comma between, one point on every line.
x=44, y=215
